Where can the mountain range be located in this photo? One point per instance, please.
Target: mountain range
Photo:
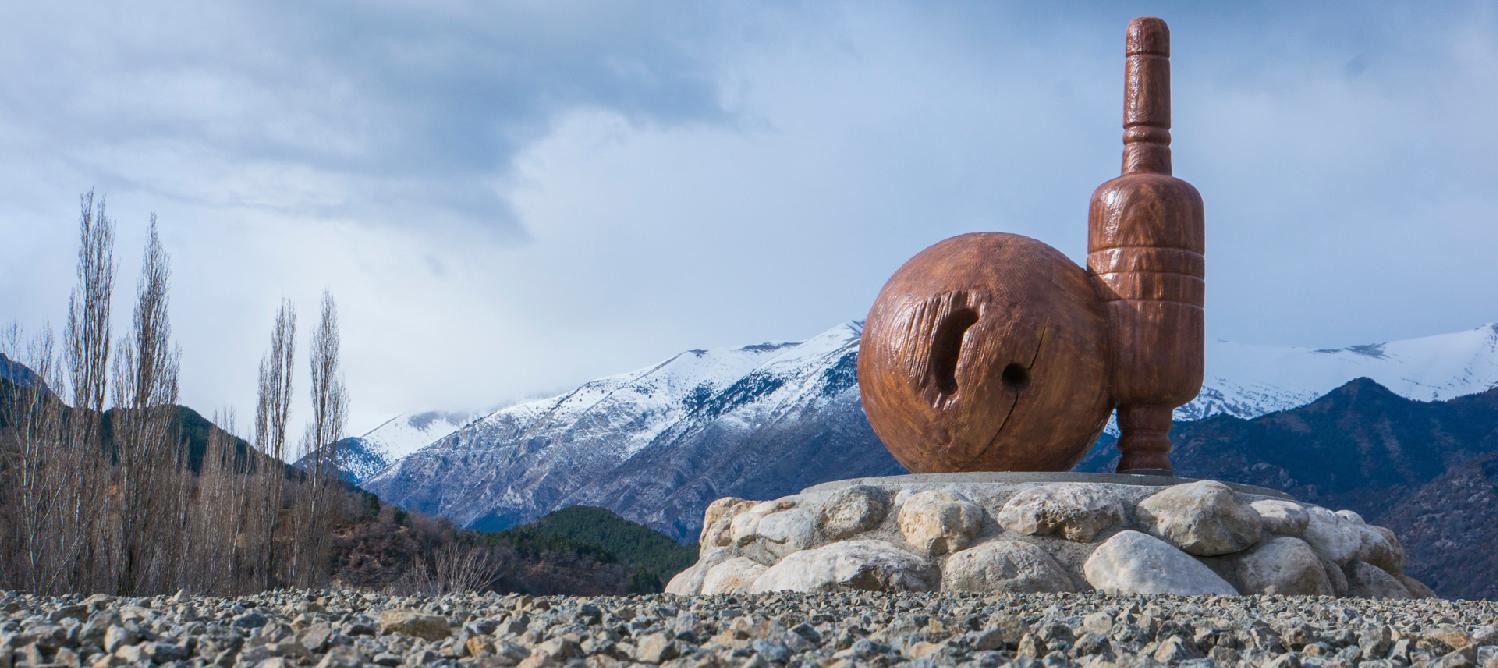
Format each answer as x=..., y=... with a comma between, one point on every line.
x=659, y=444
x=656, y=445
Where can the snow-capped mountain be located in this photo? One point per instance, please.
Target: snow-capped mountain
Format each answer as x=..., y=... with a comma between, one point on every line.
x=404, y=434
x=1248, y=380
x=657, y=445
x=361, y=457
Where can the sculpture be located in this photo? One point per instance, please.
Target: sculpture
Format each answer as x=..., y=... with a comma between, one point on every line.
x=992, y=351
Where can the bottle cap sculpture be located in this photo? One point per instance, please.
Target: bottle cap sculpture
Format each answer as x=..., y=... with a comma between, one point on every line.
x=994, y=352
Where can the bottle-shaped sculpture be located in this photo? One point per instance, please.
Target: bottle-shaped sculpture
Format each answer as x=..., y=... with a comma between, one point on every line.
x=1145, y=248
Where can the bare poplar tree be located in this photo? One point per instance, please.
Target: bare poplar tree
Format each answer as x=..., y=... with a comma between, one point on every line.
x=320, y=446
x=145, y=440
x=86, y=341
x=88, y=307
x=272, y=411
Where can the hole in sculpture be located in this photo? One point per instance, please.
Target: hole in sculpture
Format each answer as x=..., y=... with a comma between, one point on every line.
x=947, y=347
x=1015, y=377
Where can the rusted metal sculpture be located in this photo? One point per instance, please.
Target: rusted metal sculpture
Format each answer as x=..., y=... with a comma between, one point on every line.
x=993, y=352
x=1145, y=240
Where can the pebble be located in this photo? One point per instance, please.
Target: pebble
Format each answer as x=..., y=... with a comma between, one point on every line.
x=841, y=627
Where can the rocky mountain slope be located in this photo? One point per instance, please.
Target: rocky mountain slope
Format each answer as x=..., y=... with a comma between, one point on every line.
x=1449, y=531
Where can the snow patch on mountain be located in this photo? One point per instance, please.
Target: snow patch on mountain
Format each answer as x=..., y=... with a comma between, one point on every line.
x=406, y=433
x=1251, y=380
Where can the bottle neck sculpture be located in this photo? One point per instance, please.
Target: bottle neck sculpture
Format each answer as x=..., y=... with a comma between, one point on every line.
x=1145, y=251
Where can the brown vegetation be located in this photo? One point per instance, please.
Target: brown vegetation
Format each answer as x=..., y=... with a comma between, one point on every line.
x=112, y=498
x=142, y=496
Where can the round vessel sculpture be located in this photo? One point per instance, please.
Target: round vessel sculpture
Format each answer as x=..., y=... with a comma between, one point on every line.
x=986, y=352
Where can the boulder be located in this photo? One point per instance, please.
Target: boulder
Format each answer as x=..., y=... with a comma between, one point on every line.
x=1202, y=518
x=1332, y=536
x=1378, y=546
x=689, y=581
x=1335, y=575
x=1368, y=581
x=937, y=522
x=1005, y=566
x=1286, y=518
x=414, y=623
x=787, y=531
x=1283, y=565
x=1126, y=534
x=1075, y=511
x=856, y=564
x=731, y=576
x=853, y=510
x=1136, y=563
x=717, y=521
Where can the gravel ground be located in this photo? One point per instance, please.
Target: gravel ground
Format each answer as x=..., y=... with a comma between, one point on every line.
x=349, y=628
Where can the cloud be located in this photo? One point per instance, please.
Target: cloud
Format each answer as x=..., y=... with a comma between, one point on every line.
x=513, y=199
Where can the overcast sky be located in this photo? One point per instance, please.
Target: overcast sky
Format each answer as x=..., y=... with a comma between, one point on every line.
x=507, y=201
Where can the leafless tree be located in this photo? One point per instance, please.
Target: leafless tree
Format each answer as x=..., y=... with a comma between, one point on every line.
x=145, y=440
x=87, y=355
x=84, y=508
x=221, y=517
x=319, y=451
x=272, y=411
x=89, y=306
x=455, y=568
x=34, y=485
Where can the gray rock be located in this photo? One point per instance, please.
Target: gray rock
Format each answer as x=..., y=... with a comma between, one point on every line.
x=250, y=620
x=717, y=521
x=731, y=576
x=1368, y=581
x=414, y=623
x=1202, y=518
x=787, y=531
x=856, y=564
x=1335, y=575
x=341, y=657
x=689, y=581
x=1335, y=537
x=1005, y=566
x=853, y=510
x=1135, y=563
x=655, y=648
x=1075, y=511
x=116, y=637
x=1286, y=518
x=317, y=636
x=937, y=522
x=1283, y=565
x=1378, y=546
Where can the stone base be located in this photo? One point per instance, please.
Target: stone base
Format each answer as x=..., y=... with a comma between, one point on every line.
x=1043, y=532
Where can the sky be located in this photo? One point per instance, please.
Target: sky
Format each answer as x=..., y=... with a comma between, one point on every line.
x=507, y=199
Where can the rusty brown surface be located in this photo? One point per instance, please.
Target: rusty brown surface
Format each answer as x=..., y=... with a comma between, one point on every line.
x=993, y=352
x=1145, y=245
x=986, y=352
